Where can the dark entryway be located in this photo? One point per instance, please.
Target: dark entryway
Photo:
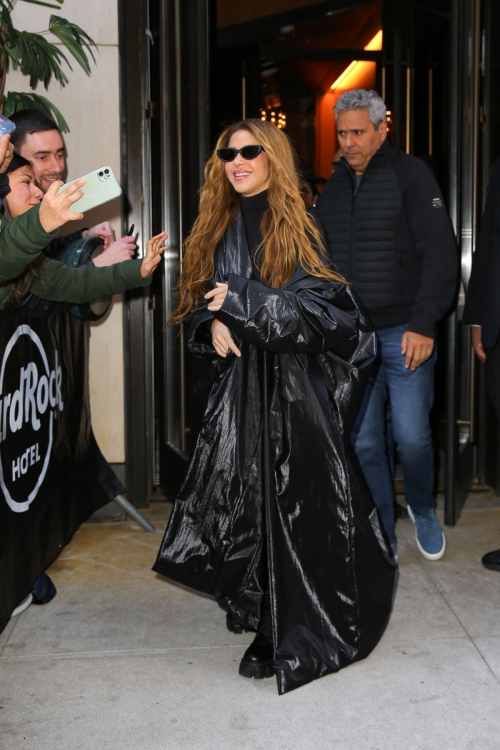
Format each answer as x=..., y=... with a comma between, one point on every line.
x=204, y=65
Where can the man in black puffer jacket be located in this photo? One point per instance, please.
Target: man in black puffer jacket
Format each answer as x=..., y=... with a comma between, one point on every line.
x=388, y=232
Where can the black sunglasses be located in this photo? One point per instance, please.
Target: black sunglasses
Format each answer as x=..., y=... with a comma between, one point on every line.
x=247, y=152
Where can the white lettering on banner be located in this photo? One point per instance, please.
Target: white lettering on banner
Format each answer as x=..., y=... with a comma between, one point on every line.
x=32, y=397
x=37, y=394
x=30, y=457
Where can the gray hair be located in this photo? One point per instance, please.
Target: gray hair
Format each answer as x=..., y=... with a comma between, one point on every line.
x=370, y=101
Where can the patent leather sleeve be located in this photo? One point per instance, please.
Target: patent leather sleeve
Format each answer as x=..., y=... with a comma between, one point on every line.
x=198, y=327
x=197, y=331
x=311, y=317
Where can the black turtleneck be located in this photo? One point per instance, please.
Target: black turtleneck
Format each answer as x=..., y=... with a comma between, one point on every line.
x=253, y=209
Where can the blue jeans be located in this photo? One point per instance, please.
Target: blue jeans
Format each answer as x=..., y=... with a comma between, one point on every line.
x=395, y=411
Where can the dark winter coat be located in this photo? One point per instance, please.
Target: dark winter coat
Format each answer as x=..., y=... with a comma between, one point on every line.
x=392, y=238
x=270, y=500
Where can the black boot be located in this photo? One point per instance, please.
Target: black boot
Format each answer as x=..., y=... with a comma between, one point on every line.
x=234, y=626
x=258, y=659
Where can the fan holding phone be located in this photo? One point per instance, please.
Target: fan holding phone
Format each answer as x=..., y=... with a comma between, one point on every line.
x=39, y=140
x=29, y=221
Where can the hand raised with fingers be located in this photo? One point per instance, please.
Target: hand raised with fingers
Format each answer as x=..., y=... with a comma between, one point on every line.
x=154, y=250
x=54, y=208
x=103, y=230
x=417, y=349
x=119, y=251
x=216, y=296
x=222, y=340
x=6, y=152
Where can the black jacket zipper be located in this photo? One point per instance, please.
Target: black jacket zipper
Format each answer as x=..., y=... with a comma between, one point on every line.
x=352, y=224
x=350, y=251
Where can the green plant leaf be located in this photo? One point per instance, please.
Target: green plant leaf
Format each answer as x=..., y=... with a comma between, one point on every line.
x=5, y=18
x=36, y=57
x=46, y=5
x=16, y=100
x=40, y=59
x=75, y=39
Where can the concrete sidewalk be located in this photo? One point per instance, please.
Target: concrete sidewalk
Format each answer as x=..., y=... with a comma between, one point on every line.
x=122, y=660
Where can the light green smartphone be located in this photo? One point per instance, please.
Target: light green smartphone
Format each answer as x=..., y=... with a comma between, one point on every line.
x=100, y=187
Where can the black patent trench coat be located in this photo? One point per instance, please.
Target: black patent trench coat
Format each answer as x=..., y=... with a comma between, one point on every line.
x=271, y=498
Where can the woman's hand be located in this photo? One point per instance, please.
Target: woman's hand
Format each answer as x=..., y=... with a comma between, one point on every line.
x=154, y=249
x=104, y=231
x=118, y=252
x=54, y=208
x=217, y=297
x=6, y=152
x=222, y=339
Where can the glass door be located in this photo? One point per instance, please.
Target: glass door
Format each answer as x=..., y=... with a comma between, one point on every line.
x=487, y=459
x=184, y=104
x=464, y=204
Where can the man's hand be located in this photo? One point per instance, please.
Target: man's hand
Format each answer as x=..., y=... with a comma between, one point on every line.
x=417, y=349
x=104, y=231
x=475, y=334
x=217, y=296
x=54, y=208
x=117, y=252
x=222, y=339
x=154, y=250
x=6, y=152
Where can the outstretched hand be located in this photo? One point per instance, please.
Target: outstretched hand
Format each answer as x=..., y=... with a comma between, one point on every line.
x=117, y=252
x=54, y=208
x=216, y=296
x=103, y=230
x=154, y=250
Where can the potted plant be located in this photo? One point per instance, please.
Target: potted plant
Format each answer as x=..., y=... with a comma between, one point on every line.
x=35, y=56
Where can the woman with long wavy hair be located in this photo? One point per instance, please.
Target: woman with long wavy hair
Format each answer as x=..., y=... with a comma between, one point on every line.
x=271, y=519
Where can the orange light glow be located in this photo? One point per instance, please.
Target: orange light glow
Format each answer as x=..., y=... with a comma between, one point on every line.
x=373, y=44
x=376, y=42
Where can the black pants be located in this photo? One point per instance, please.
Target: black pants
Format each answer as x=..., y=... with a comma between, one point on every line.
x=492, y=376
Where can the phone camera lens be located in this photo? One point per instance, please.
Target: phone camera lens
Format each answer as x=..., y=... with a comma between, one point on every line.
x=100, y=174
x=106, y=171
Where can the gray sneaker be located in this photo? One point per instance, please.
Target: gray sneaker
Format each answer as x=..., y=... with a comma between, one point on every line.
x=431, y=541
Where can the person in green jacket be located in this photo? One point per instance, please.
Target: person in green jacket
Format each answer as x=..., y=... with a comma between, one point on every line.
x=30, y=220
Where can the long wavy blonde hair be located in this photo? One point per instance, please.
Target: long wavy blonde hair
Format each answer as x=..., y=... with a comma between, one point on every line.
x=290, y=236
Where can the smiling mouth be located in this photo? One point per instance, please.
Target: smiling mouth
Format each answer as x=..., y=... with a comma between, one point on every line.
x=241, y=175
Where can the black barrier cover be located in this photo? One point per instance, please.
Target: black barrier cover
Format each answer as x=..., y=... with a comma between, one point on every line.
x=52, y=473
